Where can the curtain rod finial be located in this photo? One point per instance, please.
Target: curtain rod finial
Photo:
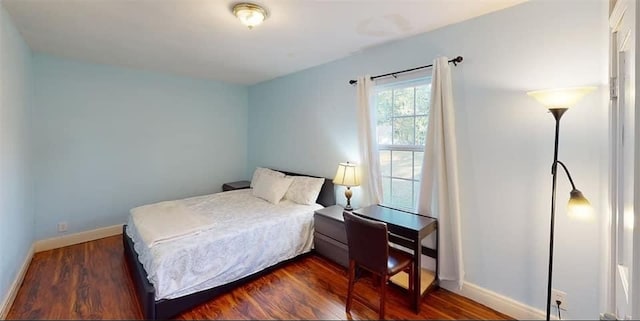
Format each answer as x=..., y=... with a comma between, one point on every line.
x=353, y=82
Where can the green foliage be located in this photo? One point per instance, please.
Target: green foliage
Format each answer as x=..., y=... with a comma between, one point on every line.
x=423, y=99
x=396, y=110
x=403, y=102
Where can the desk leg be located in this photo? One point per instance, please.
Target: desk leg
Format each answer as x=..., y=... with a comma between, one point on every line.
x=417, y=289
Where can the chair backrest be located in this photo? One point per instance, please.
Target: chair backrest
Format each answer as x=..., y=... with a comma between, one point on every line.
x=368, y=242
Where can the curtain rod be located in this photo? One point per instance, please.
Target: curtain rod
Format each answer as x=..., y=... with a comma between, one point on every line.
x=455, y=62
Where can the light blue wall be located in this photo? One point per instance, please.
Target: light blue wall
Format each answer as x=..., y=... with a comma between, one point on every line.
x=306, y=122
x=107, y=139
x=16, y=189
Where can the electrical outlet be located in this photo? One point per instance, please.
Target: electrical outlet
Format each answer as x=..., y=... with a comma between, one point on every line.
x=62, y=227
x=557, y=295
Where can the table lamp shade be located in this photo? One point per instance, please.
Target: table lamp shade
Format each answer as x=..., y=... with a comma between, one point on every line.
x=347, y=175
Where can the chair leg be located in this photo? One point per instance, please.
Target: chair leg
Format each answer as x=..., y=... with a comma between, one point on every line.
x=352, y=275
x=383, y=292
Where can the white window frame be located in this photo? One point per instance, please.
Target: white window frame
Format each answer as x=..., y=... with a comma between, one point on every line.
x=391, y=85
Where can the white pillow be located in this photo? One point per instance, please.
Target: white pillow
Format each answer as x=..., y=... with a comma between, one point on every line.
x=261, y=171
x=271, y=188
x=304, y=189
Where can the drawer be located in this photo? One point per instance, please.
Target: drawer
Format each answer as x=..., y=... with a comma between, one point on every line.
x=331, y=249
x=331, y=228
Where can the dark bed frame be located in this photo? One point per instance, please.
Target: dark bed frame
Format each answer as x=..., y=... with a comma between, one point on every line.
x=167, y=308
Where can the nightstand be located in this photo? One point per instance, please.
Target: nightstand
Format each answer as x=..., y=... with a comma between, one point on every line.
x=235, y=185
x=330, y=237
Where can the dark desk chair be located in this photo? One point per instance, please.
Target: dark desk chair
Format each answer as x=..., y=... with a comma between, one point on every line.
x=368, y=243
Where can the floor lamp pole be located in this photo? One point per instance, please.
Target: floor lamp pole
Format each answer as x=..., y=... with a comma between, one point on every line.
x=557, y=114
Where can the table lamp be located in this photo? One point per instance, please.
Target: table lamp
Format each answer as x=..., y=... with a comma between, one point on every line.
x=347, y=175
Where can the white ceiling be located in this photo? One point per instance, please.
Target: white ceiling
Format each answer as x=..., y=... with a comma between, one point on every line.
x=202, y=38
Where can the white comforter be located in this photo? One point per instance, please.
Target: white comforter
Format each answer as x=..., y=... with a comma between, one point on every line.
x=239, y=235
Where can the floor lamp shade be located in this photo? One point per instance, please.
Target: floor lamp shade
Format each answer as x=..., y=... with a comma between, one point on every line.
x=560, y=98
x=558, y=101
x=347, y=175
x=579, y=206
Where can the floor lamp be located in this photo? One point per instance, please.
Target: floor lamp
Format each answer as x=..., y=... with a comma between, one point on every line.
x=558, y=101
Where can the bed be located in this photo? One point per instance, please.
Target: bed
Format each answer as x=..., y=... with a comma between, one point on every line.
x=181, y=272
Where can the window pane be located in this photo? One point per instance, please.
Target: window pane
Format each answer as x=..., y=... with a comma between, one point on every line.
x=402, y=166
x=423, y=97
x=403, y=131
x=403, y=102
x=384, y=131
x=385, y=162
x=383, y=104
x=417, y=165
x=421, y=130
x=386, y=190
x=416, y=194
x=401, y=193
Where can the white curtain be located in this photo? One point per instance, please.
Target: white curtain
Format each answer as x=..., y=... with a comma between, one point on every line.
x=439, y=194
x=370, y=163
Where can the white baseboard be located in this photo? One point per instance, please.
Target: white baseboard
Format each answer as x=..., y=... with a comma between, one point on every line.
x=495, y=301
x=76, y=238
x=15, y=286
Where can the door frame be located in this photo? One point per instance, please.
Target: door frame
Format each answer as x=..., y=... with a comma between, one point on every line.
x=615, y=18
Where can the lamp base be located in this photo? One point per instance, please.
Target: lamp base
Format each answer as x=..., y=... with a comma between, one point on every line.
x=347, y=194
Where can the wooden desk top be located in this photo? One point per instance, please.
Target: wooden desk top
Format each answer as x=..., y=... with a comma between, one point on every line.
x=392, y=216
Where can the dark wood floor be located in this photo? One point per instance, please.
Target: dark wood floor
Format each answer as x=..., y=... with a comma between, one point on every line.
x=91, y=281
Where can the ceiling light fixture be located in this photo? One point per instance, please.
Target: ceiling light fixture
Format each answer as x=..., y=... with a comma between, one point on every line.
x=249, y=14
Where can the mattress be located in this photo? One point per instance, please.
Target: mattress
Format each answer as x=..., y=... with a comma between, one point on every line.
x=244, y=235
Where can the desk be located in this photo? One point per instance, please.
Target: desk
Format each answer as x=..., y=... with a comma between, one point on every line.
x=407, y=229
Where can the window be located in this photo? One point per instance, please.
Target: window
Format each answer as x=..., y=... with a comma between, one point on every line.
x=402, y=111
